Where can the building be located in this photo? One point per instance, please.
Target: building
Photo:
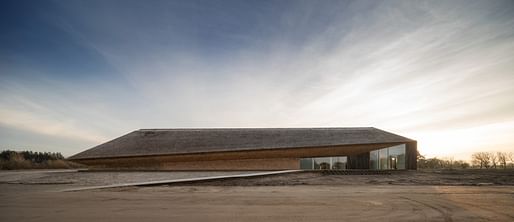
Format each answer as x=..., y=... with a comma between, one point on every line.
x=254, y=149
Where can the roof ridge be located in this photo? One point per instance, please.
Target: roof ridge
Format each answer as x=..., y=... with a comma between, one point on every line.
x=256, y=128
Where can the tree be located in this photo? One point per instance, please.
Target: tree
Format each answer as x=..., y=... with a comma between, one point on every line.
x=449, y=162
x=461, y=164
x=481, y=159
x=510, y=157
x=494, y=159
x=502, y=159
x=434, y=163
x=28, y=159
x=421, y=161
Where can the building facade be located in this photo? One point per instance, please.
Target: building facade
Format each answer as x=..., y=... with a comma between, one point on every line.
x=254, y=149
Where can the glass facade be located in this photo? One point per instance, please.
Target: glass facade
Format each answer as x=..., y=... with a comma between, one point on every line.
x=397, y=157
x=390, y=158
x=306, y=163
x=382, y=159
x=373, y=159
x=324, y=163
x=339, y=162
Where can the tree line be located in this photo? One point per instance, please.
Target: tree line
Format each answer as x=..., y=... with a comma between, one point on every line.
x=36, y=157
x=480, y=160
x=492, y=160
x=10, y=160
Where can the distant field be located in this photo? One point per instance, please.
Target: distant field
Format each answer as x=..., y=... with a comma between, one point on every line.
x=463, y=195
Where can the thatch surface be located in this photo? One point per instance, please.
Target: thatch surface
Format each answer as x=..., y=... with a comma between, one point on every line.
x=184, y=141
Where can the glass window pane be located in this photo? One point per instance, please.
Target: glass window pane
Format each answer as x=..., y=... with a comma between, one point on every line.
x=322, y=163
x=383, y=159
x=373, y=160
x=306, y=164
x=397, y=157
x=339, y=162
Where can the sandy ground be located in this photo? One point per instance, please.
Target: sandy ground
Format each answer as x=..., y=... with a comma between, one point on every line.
x=336, y=198
x=75, y=178
x=427, y=177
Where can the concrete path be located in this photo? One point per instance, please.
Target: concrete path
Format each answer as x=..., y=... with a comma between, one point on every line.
x=161, y=182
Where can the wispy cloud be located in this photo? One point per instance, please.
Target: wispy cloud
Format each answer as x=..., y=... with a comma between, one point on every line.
x=432, y=71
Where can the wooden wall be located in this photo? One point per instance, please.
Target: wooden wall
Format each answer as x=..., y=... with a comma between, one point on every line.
x=411, y=162
x=273, y=159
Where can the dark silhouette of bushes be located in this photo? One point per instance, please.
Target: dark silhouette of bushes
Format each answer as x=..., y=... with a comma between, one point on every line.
x=485, y=160
x=11, y=160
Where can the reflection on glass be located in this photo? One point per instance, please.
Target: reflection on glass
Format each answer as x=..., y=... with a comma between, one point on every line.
x=339, y=162
x=383, y=159
x=373, y=160
x=388, y=158
x=306, y=164
x=322, y=163
x=397, y=157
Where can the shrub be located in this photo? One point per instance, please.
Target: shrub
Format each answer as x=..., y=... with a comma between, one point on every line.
x=11, y=160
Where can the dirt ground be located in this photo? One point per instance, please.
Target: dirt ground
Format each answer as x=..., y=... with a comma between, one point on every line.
x=407, y=196
x=472, y=177
x=78, y=178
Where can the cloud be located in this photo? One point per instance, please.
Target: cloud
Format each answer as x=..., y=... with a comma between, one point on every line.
x=57, y=128
x=424, y=70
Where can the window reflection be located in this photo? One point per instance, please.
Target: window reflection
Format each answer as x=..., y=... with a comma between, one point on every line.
x=306, y=164
x=324, y=163
x=373, y=160
x=382, y=159
x=339, y=162
x=388, y=158
x=397, y=157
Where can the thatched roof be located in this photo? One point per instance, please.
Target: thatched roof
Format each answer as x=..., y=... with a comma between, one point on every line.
x=184, y=141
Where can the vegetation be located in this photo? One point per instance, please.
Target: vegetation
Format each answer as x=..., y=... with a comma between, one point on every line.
x=492, y=160
x=10, y=160
x=480, y=160
x=445, y=163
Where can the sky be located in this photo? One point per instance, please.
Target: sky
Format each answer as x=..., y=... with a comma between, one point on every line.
x=74, y=74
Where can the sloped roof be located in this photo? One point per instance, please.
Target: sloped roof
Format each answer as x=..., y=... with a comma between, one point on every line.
x=146, y=142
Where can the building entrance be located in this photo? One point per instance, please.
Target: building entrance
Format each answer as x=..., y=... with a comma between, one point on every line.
x=393, y=162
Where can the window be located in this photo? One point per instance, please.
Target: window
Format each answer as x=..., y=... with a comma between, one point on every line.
x=339, y=162
x=306, y=164
x=322, y=163
x=373, y=160
x=397, y=157
x=388, y=158
x=383, y=159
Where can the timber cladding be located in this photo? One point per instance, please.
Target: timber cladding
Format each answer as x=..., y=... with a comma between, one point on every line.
x=245, y=164
x=245, y=160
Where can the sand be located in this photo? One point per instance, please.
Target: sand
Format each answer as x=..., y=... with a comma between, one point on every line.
x=349, y=201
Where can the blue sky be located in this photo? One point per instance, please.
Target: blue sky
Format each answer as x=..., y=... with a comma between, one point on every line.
x=74, y=74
